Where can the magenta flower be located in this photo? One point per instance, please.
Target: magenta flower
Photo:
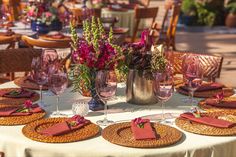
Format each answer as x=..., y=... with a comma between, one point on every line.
x=28, y=104
x=48, y=14
x=219, y=96
x=79, y=119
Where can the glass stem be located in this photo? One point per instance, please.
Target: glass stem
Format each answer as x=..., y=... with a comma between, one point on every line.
x=163, y=111
x=41, y=93
x=191, y=97
x=105, y=110
x=57, y=106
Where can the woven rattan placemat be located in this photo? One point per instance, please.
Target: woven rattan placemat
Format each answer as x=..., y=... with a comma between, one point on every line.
x=20, y=120
x=25, y=83
x=203, y=129
x=4, y=101
x=121, y=134
x=32, y=131
x=206, y=94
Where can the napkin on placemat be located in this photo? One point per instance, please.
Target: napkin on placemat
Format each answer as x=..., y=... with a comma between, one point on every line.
x=224, y=104
x=55, y=35
x=15, y=111
x=205, y=87
x=142, y=132
x=65, y=127
x=21, y=93
x=208, y=120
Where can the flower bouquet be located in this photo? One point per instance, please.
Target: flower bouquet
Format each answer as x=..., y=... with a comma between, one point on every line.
x=144, y=58
x=44, y=16
x=93, y=52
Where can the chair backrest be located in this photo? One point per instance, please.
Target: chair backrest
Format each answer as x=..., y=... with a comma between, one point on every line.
x=13, y=7
x=166, y=33
x=31, y=42
x=97, y=12
x=76, y=16
x=143, y=13
x=8, y=40
x=17, y=60
x=211, y=64
x=174, y=20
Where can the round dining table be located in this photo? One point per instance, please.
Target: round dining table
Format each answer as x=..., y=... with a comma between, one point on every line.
x=125, y=18
x=14, y=144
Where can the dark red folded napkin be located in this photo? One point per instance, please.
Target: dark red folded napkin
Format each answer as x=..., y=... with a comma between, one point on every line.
x=15, y=111
x=143, y=132
x=208, y=120
x=19, y=93
x=205, y=87
x=56, y=36
x=64, y=127
x=224, y=104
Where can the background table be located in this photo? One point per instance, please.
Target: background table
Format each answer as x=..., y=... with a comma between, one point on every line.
x=14, y=143
x=125, y=18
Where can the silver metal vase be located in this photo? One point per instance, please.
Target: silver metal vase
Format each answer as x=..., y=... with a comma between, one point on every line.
x=139, y=88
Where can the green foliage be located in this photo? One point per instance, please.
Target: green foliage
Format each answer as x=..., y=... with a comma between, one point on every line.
x=74, y=37
x=205, y=16
x=189, y=8
x=207, y=12
x=231, y=8
x=158, y=61
x=81, y=77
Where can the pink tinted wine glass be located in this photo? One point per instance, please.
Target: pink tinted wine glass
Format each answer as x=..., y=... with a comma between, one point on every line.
x=105, y=84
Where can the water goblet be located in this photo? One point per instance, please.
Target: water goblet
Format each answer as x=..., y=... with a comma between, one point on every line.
x=105, y=84
x=163, y=88
x=58, y=83
x=192, y=75
x=41, y=78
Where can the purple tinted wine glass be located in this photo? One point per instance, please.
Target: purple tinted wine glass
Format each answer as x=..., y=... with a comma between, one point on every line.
x=106, y=84
x=41, y=78
x=163, y=88
x=58, y=83
x=192, y=75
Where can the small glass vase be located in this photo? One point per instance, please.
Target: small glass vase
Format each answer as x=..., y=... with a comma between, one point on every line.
x=95, y=103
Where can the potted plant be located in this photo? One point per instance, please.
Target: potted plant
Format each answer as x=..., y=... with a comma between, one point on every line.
x=143, y=59
x=93, y=52
x=189, y=12
x=230, y=20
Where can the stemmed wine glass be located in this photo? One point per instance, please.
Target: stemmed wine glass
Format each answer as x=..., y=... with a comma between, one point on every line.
x=192, y=75
x=106, y=84
x=163, y=88
x=41, y=78
x=51, y=62
x=58, y=82
x=39, y=75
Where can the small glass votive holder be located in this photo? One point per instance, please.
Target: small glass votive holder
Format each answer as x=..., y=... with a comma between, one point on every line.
x=80, y=107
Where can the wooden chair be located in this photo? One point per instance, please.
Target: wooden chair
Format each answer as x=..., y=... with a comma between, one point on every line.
x=143, y=13
x=31, y=42
x=13, y=7
x=166, y=33
x=17, y=60
x=211, y=64
x=76, y=16
x=97, y=12
x=8, y=40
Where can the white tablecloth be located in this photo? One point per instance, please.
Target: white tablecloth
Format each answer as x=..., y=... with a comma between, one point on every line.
x=15, y=144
